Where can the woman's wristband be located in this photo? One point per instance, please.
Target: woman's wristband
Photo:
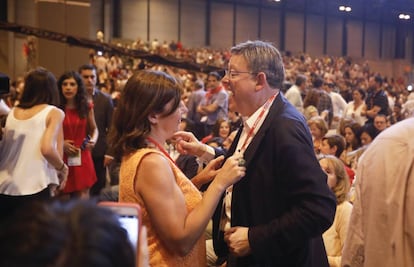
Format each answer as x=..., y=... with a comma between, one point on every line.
x=61, y=167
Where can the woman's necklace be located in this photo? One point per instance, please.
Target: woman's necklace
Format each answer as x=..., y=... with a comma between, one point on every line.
x=160, y=148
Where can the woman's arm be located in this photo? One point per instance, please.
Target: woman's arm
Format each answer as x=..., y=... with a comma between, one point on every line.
x=93, y=129
x=54, y=135
x=208, y=173
x=178, y=228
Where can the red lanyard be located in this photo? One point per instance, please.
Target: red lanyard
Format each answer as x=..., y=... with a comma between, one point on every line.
x=161, y=148
x=259, y=118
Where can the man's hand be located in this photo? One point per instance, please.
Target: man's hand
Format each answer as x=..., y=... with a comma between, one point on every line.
x=237, y=240
x=187, y=143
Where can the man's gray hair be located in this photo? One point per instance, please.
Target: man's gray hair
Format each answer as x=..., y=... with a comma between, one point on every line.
x=263, y=57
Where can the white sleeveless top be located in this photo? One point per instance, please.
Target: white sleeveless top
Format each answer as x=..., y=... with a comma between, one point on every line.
x=23, y=169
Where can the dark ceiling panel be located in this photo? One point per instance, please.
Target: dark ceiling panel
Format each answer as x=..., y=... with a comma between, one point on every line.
x=371, y=10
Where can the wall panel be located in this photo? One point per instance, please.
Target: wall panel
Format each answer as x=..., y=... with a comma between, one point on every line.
x=271, y=26
x=134, y=19
x=294, y=32
x=247, y=19
x=372, y=39
x=314, y=35
x=60, y=17
x=221, y=28
x=388, y=42
x=163, y=20
x=193, y=23
x=354, y=43
x=334, y=36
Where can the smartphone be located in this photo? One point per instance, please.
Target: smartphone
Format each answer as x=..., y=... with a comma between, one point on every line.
x=129, y=215
x=85, y=142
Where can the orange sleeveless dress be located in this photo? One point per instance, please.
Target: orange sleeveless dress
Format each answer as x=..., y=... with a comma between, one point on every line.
x=159, y=254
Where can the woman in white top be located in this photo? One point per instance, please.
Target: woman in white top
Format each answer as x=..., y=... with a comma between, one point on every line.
x=356, y=109
x=338, y=181
x=31, y=148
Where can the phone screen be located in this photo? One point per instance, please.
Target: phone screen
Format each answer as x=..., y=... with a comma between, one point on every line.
x=130, y=223
x=129, y=219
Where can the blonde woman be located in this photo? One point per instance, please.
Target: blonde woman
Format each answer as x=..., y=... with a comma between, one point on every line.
x=338, y=182
x=318, y=128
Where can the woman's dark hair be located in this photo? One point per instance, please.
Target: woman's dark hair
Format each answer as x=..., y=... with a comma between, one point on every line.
x=311, y=98
x=146, y=92
x=75, y=233
x=355, y=128
x=39, y=88
x=368, y=129
x=216, y=127
x=361, y=92
x=81, y=99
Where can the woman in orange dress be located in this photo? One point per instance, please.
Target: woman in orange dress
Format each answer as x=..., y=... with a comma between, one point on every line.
x=173, y=209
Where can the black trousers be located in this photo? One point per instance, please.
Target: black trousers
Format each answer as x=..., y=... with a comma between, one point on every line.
x=11, y=204
x=100, y=175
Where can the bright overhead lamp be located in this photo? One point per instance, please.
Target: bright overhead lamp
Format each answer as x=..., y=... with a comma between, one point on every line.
x=345, y=8
x=404, y=16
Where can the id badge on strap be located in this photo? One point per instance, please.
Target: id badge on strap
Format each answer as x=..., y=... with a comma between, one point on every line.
x=75, y=160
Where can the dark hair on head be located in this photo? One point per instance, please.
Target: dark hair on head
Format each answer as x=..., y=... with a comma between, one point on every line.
x=300, y=79
x=75, y=233
x=40, y=87
x=361, y=92
x=335, y=140
x=263, y=57
x=311, y=98
x=81, y=99
x=146, y=92
x=378, y=79
x=216, y=127
x=355, y=128
x=370, y=130
x=215, y=74
x=87, y=67
x=317, y=82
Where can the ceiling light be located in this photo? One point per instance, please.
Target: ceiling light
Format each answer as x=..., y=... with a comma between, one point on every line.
x=345, y=8
x=404, y=16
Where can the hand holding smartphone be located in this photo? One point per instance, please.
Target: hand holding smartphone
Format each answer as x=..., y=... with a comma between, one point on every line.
x=85, y=142
x=129, y=215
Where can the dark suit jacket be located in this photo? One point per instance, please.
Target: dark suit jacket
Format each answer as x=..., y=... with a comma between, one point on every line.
x=284, y=198
x=103, y=108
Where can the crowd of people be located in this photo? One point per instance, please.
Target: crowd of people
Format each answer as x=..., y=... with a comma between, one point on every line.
x=267, y=157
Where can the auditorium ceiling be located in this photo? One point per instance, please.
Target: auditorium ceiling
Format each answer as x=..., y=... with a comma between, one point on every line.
x=375, y=10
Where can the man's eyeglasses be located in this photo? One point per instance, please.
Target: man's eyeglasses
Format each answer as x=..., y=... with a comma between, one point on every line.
x=233, y=73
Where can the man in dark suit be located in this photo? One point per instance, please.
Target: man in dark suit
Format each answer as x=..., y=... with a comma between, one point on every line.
x=276, y=214
x=103, y=109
